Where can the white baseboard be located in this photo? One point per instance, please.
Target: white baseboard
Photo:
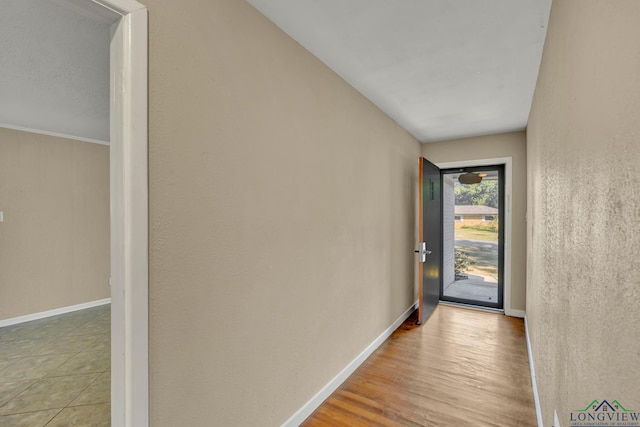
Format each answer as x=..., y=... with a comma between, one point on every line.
x=536, y=398
x=515, y=313
x=54, y=312
x=307, y=409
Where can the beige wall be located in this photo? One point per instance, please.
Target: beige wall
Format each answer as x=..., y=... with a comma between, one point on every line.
x=584, y=208
x=282, y=217
x=488, y=147
x=54, y=241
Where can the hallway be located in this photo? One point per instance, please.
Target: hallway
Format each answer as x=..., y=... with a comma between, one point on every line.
x=462, y=368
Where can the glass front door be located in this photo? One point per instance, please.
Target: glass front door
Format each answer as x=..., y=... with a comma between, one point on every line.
x=472, y=221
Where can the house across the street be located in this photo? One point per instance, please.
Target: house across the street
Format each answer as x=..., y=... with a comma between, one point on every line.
x=473, y=214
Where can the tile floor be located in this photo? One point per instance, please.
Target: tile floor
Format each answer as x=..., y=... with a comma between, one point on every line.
x=57, y=371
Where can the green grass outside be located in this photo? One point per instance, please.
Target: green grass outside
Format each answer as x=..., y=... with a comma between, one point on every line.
x=475, y=234
x=485, y=261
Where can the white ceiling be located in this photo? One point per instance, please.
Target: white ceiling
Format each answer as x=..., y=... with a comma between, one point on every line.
x=54, y=72
x=443, y=69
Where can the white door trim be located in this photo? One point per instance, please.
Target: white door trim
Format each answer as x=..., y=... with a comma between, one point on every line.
x=508, y=185
x=129, y=215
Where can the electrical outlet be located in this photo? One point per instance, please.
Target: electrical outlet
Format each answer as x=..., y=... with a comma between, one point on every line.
x=1, y=216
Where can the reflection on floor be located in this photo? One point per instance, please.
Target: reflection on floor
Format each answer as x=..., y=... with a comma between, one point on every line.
x=57, y=371
x=476, y=287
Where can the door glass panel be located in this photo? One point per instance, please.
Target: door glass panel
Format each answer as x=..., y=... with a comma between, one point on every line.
x=472, y=237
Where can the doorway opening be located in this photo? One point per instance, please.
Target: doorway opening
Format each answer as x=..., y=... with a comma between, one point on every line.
x=473, y=224
x=127, y=79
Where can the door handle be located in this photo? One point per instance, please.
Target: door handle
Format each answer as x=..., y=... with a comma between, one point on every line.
x=423, y=251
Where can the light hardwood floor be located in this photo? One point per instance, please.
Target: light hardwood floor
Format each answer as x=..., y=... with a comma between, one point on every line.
x=461, y=368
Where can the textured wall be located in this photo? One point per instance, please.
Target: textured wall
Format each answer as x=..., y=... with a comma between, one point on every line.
x=488, y=147
x=54, y=241
x=583, y=147
x=282, y=213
